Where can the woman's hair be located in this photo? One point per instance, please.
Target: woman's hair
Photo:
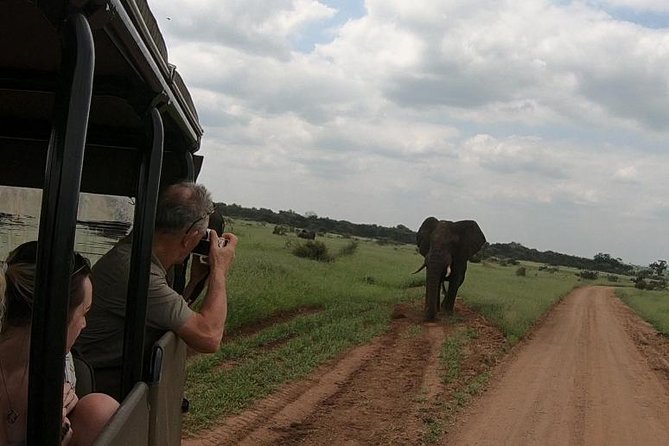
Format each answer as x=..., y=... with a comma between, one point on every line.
x=19, y=278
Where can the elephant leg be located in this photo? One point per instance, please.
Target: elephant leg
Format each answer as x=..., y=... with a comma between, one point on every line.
x=429, y=311
x=453, y=287
x=449, y=301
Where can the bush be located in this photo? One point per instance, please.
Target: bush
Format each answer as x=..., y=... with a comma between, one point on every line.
x=549, y=269
x=588, y=275
x=508, y=262
x=349, y=249
x=522, y=271
x=612, y=278
x=280, y=230
x=657, y=284
x=640, y=284
x=313, y=250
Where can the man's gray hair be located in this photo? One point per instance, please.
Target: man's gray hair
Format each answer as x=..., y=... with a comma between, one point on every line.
x=181, y=205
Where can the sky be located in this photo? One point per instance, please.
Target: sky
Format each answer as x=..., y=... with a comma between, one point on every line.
x=547, y=122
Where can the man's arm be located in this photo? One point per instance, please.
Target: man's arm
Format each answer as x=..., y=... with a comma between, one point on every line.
x=203, y=331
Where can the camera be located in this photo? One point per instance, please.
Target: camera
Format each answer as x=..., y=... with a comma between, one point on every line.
x=217, y=224
x=202, y=248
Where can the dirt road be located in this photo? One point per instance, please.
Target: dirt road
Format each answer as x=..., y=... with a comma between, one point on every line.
x=580, y=380
x=592, y=373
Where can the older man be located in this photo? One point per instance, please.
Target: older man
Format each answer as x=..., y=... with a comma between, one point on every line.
x=182, y=218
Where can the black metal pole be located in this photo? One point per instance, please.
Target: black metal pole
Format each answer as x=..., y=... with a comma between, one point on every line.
x=140, y=262
x=189, y=166
x=60, y=200
x=180, y=270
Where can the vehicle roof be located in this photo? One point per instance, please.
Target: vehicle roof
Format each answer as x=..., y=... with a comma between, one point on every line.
x=132, y=74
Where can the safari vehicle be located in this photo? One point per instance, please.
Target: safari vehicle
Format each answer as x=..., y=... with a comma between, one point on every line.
x=89, y=103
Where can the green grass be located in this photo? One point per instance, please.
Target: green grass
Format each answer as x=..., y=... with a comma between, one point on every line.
x=653, y=306
x=267, y=277
x=351, y=300
x=452, y=352
x=355, y=295
x=513, y=302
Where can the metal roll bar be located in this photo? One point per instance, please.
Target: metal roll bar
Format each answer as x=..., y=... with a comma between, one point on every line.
x=60, y=202
x=140, y=260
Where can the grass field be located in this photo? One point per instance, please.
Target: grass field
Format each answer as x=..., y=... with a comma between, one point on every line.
x=337, y=305
x=515, y=302
x=653, y=306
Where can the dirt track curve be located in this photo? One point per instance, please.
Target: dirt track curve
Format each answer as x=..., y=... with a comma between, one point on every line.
x=592, y=373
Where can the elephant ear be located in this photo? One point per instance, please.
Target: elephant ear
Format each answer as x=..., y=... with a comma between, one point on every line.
x=470, y=235
x=423, y=235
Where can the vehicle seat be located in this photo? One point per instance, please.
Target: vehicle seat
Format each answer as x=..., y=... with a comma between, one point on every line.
x=85, y=376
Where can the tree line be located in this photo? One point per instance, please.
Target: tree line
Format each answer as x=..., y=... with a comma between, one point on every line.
x=290, y=218
x=402, y=234
x=600, y=262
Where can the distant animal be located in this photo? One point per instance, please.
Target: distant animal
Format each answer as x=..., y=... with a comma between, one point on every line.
x=304, y=233
x=446, y=246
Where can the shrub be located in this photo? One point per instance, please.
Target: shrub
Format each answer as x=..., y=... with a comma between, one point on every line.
x=313, y=250
x=280, y=230
x=522, y=271
x=641, y=284
x=612, y=278
x=657, y=284
x=549, y=269
x=588, y=275
x=349, y=249
x=508, y=262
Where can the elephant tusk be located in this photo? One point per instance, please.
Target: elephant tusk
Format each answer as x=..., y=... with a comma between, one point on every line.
x=448, y=271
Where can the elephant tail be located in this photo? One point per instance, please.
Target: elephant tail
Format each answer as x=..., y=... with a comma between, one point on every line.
x=420, y=269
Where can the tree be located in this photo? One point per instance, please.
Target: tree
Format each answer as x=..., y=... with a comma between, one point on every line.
x=658, y=267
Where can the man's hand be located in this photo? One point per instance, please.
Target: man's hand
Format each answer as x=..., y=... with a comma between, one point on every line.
x=204, y=329
x=222, y=252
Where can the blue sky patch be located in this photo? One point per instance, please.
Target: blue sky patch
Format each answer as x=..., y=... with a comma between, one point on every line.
x=324, y=32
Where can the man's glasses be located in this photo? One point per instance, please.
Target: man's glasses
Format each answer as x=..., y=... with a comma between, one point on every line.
x=192, y=225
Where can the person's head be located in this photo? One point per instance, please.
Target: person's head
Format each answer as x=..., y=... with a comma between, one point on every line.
x=19, y=292
x=182, y=216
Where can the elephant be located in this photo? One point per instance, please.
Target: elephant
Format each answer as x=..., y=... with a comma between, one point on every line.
x=307, y=234
x=446, y=246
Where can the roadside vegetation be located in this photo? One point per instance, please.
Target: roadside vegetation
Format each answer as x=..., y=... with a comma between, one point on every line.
x=653, y=306
x=514, y=301
x=335, y=305
x=289, y=314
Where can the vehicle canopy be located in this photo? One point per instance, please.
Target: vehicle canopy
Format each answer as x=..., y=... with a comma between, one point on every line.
x=88, y=103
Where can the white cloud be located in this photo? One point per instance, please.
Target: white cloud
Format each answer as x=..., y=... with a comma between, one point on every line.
x=533, y=116
x=627, y=174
